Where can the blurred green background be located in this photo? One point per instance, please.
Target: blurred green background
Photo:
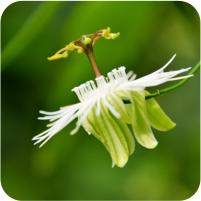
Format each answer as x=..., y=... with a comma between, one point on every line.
x=79, y=167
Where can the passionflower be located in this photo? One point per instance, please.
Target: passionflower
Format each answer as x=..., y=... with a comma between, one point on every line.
x=114, y=109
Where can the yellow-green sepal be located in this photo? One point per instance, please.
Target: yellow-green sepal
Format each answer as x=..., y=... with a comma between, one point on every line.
x=140, y=123
x=157, y=117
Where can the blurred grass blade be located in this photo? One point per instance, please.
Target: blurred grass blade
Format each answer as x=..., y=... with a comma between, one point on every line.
x=32, y=27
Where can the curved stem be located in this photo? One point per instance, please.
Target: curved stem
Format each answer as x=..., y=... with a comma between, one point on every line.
x=173, y=87
x=92, y=60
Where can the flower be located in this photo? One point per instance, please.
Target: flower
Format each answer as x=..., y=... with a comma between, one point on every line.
x=114, y=110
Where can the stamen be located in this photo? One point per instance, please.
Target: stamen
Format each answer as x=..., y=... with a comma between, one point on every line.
x=122, y=71
x=103, y=84
x=81, y=89
x=100, y=81
x=92, y=84
x=131, y=76
x=88, y=86
x=76, y=90
x=115, y=73
x=111, y=77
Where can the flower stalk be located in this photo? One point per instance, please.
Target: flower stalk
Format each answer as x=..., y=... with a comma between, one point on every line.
x=92, y=60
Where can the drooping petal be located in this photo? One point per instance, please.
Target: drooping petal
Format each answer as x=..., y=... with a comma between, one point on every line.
x=113, y=133
x=157, y=117
x=140, y=122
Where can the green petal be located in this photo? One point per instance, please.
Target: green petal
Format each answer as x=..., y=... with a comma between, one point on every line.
x=113, y=133
x=140, y=122
x=157, y=117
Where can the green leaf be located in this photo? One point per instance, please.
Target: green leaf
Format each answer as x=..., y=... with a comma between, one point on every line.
x=157, y=117
x=140, y=122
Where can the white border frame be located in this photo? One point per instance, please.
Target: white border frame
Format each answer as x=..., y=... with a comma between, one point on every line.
x=195, y=3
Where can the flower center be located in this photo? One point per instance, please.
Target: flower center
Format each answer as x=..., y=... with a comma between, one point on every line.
x=102, y=85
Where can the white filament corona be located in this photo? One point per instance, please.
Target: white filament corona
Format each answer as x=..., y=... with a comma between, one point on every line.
x=92, y=92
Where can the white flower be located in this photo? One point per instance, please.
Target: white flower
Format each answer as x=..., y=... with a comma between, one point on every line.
x=103, y=113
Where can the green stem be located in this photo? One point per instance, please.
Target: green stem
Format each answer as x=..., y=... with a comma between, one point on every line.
x=173, y=87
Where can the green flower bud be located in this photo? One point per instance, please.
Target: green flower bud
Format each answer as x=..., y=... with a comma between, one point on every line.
x=86, y=40
x=57, y=56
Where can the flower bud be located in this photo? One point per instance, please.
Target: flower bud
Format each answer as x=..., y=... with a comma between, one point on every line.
x=114, y=35
x=106, y=33
x=71, y=46
x=80, y=50
x=86, y=40
x=58, y=56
